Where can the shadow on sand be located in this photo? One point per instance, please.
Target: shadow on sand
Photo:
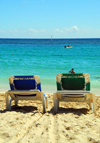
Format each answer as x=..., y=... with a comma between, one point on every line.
x=34, y=109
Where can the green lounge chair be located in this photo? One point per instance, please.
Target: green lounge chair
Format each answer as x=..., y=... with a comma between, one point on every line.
x=73, y=87
x=25, y=88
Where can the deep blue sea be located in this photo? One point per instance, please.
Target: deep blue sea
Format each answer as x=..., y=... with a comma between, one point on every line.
x=47, y=58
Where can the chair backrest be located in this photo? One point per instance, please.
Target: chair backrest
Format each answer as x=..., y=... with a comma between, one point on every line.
x=73, y=81
x=24, y=82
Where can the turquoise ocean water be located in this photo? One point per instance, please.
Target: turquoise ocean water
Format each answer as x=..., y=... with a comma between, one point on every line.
x=47, y=58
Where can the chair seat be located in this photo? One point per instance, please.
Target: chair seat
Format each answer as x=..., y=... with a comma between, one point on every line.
x=73, y=83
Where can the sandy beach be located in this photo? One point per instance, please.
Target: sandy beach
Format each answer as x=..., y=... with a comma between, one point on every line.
x=26, y=123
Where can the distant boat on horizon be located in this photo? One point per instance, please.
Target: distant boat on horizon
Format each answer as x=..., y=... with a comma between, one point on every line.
x=51, y=38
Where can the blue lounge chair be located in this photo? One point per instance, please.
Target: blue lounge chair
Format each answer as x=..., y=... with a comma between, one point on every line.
x=73, y=88
x=25, y=88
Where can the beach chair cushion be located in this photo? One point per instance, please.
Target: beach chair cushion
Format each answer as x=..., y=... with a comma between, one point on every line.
x=24, y=84
x=75, y=81
x=72, y=81
x=68, y=83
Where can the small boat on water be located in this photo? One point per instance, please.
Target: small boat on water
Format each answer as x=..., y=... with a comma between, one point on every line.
x=51, y=38
x=68, y=47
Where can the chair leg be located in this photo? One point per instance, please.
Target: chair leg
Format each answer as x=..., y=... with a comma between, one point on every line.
x=6, y=98
x=47, y=102
x=10, y=104
x=94, y=105
x=8, y=101
x=90, y=105
x=44, y=104
x=55, y=105
x=16, y=102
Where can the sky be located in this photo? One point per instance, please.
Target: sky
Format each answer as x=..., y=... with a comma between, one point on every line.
x=49, y=18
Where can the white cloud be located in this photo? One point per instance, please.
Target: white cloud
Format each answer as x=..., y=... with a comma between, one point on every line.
x=32, y=31
x=1, y=31
x=12, y=31
x=73, y=28
x=43, y=30
x=58, y=30
x=73, y=32
x=16, y=30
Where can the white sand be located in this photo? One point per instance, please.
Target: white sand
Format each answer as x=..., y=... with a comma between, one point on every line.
x=74, y=123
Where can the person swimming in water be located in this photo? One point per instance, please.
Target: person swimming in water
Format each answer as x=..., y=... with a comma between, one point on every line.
x=72, y=71
x=66, y=46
